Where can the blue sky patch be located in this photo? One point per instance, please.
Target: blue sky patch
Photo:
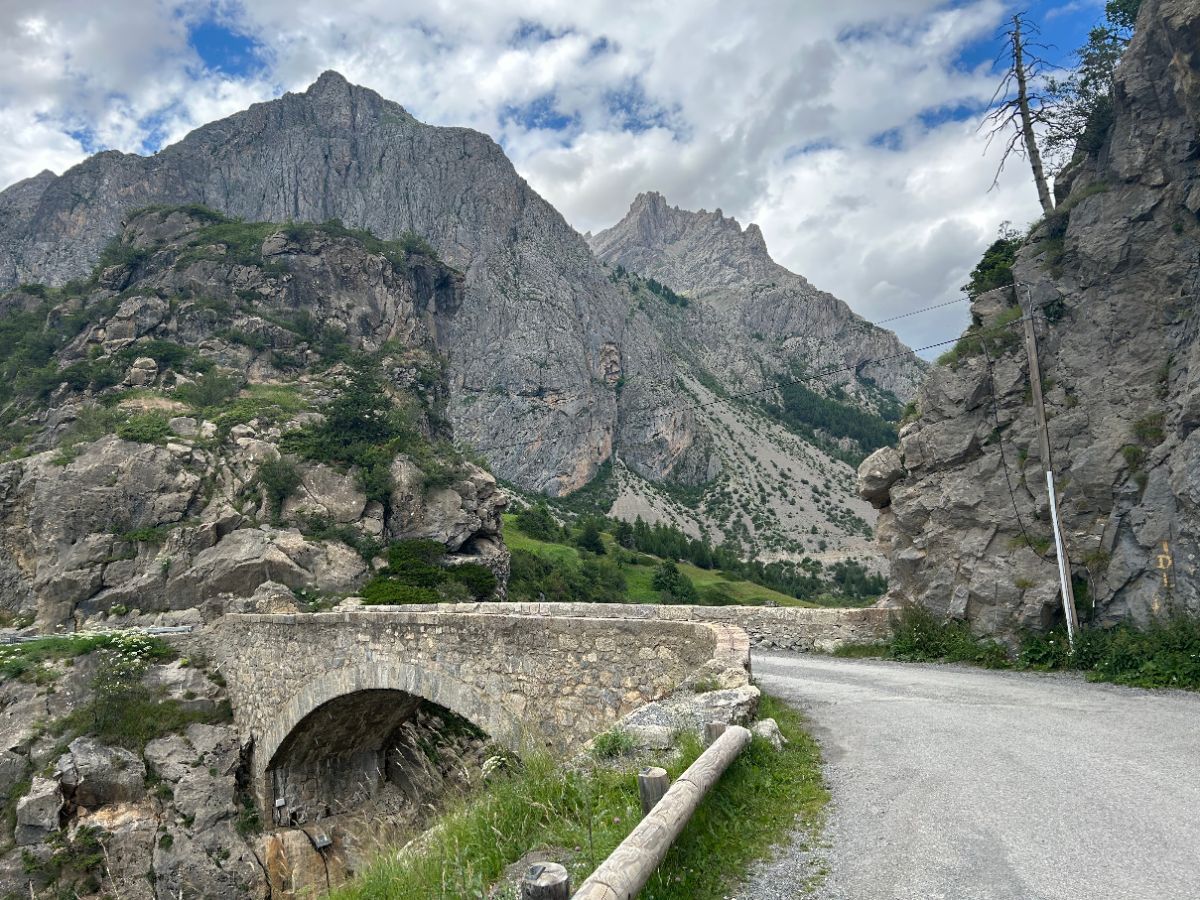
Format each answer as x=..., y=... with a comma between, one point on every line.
x=153, y=127
x=934, y=116
x=633, y=111
x=224, y=50
x=1064, y=27
x=892, y=139
x=818, y=146
x=532, y=33
x=541, y=112
x=86, y=138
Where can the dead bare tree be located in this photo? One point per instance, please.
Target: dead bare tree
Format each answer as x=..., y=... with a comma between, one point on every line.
x=1018, y=105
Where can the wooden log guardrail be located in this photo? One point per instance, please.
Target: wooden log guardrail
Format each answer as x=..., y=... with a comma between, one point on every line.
x=630, y=866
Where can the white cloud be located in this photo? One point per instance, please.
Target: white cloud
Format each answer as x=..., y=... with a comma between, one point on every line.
x=709, y=102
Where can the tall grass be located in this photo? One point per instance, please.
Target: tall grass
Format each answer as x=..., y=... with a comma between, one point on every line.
x=1164, y=653
x=586, y=810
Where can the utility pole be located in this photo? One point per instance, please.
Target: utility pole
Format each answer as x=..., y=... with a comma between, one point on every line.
x=1039, y=408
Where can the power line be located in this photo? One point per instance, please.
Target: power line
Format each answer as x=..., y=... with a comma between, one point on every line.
x=861, y=325
x=925, y=309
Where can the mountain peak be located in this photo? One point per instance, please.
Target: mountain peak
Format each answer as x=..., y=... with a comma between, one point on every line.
x=329, y=82
x=652, y=224
x=648, y=199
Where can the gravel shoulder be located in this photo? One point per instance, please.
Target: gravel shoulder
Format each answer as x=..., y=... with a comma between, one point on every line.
x=952, y=782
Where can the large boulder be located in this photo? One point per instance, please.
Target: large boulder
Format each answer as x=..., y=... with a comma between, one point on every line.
x=38, y=811
x=877, y=474
x=60, y=525
x=453, y=515
x=127, y=832
x=324, y=491
x=93, y=775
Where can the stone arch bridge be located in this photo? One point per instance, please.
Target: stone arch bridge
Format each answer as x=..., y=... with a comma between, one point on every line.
x=316, y=696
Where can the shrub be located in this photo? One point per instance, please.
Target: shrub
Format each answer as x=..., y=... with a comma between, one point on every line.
x=997, y=338
x=589, y=538
x=167, y=354
x=416, y=563
x=362, y=428
x=1149, y=429
x=411, y=242
x=612, y=744
x=420, y=550
x=93, y=422
x=145, y=428
x=1166, y=653
x=994, y=270
x=920, y=637
x=123, y=711
x=279, y=478
x=320, y=528
x=534, y=577
x=148, y=534
x=388, y=592
x=480, y=580
x=208, y=390
x=1134, y=456
x=454, y=592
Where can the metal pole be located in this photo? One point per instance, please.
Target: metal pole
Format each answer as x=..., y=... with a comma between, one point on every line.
x=1064, y=573
x=1039, y=408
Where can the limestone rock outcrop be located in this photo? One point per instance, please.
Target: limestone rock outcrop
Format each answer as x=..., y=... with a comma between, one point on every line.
x=748, y=318
x=167, y=520
x=1112, y=278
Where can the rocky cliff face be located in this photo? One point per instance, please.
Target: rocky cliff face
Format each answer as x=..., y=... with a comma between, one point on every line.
x=1112, y=278
x=749, y=320
x=150, y=483
x=739, y=322
x=542, y=336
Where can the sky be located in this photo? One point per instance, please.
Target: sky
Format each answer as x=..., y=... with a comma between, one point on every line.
x=847, y=131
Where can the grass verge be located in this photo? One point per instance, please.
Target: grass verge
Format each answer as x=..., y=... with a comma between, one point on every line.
x=27, y=661
x=1165, y=653
x=762, y=795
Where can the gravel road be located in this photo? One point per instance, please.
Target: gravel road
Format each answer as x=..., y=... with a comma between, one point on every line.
x=951, y=783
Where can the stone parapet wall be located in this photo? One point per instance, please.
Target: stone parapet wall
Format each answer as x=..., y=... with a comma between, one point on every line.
x=768, y=627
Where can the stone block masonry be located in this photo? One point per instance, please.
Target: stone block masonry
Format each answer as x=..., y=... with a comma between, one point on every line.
x=522, y=678
x=768, y=627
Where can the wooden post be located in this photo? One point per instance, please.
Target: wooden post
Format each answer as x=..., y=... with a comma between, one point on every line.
x=712, y=731
x=630, y=866
x=1039, y=409
x=652, y=784
x=546, y=881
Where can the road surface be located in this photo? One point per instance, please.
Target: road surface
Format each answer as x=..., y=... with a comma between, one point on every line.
x=951, y=783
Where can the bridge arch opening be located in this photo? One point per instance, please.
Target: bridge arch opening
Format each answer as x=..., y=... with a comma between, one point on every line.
x=387, y=734
x=386, y=748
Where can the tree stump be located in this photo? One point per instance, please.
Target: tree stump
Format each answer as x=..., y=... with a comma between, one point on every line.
x=546, y=881
x=712, y=731
x=652, y=784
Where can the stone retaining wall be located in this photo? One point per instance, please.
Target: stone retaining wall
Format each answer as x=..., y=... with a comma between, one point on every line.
x=769, y=628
